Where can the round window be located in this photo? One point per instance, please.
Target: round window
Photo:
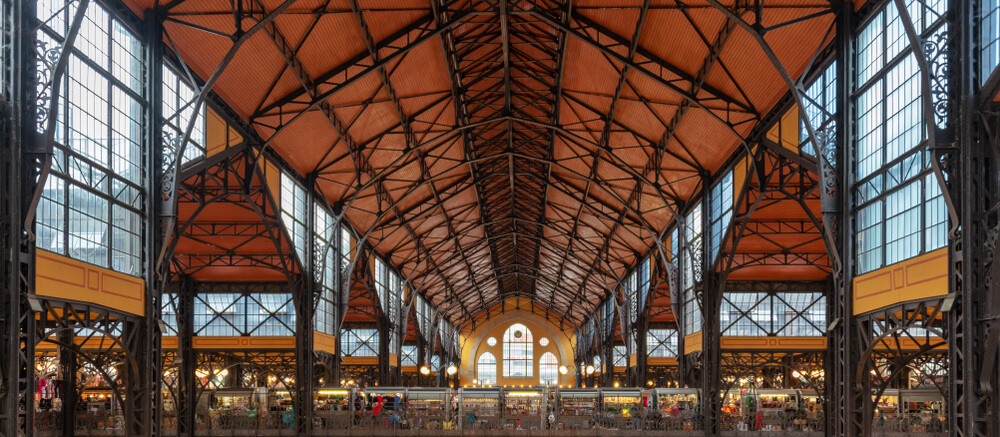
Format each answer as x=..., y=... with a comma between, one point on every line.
x=492, y=341
x=544, y=341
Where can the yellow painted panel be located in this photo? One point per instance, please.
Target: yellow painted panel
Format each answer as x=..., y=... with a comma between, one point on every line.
x=739, y=178
x=559, y=344
x=790, y=129
x=215, y=133
x=359, y=360
x=916, y=278
x=786, y=131
x=85, y=343
x=169, y=343
x=692, y=342
x=244, y=342
x=271, y=342
x=773, y=343
x=633, y=360
x=60, y=277
x=908, y=344
x=661, y=361
x=234, y=137
x=393, y=360
x=216, y=342
x=324, y=342
x=272, y=177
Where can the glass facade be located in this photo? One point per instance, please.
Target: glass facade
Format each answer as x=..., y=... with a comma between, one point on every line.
x=777, y=314
x=177, y=108
x=989, y=38
x=691, y=270
x=548, y=369
x=253, y=314
x=93, y=200
x=518, y=352
x=486, y=369
x=325, y=265
x=661, y=342
x=900, y=212
x=360, y=342
x=620, y=356
x=408, y=356
x=294, y=212
x=720, y=213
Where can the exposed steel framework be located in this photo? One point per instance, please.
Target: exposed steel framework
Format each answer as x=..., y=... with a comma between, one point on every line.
x=494, y=149
x=489, y=149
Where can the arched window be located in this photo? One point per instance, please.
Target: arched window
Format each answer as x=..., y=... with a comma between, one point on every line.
x=548, y=369
x=486, y=369
x=518, y=352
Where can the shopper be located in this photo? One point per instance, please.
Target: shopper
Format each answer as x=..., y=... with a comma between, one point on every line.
x=359, y=408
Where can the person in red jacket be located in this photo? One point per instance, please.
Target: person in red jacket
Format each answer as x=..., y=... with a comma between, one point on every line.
x=377, y=409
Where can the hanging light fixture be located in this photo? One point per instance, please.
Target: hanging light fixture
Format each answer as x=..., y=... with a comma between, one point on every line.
x=563, y=370
x=424, y=370
x=452, y=369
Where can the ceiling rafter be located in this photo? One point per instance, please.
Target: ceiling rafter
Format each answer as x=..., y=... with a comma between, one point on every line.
x=571, y=183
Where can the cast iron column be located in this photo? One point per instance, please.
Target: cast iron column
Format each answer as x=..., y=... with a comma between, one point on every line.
x=304, y=309
x=710, y=297
x=187, y=402
x=67, y=371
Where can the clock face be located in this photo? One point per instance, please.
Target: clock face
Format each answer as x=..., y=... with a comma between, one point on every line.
x=518, y=334
x=544, y=341
x=492, y=341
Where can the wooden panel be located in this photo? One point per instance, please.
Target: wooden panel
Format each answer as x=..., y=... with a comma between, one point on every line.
x=244, y=342
x=393, y=360
x=61, y=277
x=633, y=360
x=692, y=342
x=324, y=343
x=916, y=278
x=661, y=361
x=773, y=343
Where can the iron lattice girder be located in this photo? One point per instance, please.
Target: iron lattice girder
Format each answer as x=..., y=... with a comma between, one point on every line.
x=613, y=45
x=505, y=63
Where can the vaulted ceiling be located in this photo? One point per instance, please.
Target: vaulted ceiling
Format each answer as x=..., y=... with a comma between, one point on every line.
x=499, y=148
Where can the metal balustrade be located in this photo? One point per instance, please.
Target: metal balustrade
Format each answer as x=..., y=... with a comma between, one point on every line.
x=910, y=423
x=773, y=421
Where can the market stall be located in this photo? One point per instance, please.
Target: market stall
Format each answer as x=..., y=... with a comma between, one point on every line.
x=677, y=409
x=483, y=405
x=576, y=408
x=524, y=408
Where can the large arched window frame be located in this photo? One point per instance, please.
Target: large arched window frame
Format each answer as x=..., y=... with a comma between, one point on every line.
x=548, y=369
x=486, y=369
x=518, y=352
